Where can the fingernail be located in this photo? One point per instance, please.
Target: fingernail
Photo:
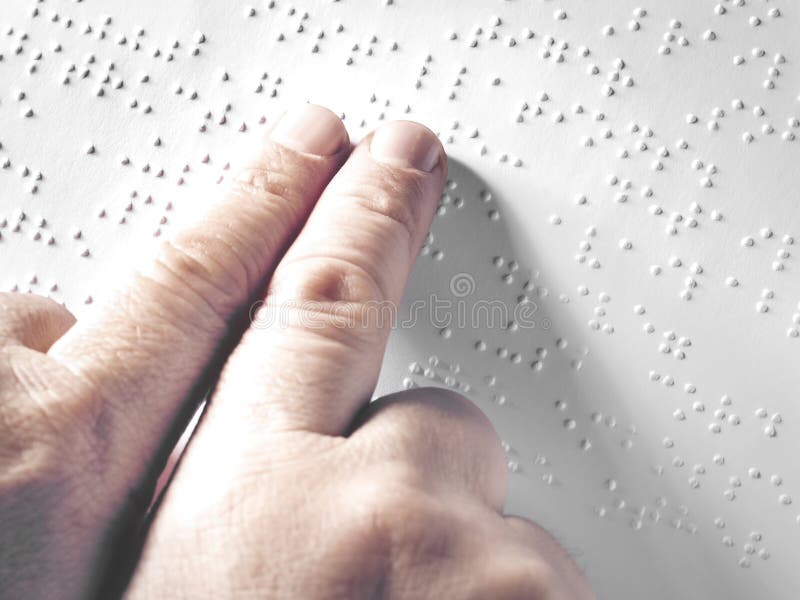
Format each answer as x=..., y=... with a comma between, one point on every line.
x=311, y=129
x=406, y=144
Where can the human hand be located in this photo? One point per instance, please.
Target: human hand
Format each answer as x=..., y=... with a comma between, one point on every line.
x=293, y=486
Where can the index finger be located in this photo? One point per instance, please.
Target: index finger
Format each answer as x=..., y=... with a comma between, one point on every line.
x=312, y=360
x=142, y=355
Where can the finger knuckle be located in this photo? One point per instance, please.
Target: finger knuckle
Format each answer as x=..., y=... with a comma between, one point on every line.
x=440, y=405
x=324, y=291
x=208, y=273
x=268, y=180
x=394, y=514
x=393, y=201
x=278, y=178
x=39, y=310
x=222, y=261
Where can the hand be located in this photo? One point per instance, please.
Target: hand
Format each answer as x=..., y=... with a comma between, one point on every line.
x=292, y=486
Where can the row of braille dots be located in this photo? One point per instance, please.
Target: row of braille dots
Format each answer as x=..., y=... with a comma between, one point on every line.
x=148, y=200
x=129, y=207
x=118, y=82
x=596, y=418
x=428, y=249
x=669, y=381
x=474, y=133
x=609, y=30
x=753, y=20
x=730, y=494
x=642, y=146
x=33, y=287
x=39, y=230
x=750, y=547
x=438, y=371
x=690, y=220
x=107, y=80
x=368, y=47
x=158, y=172
x=381, y=116
x=508, y=269
x=671, y=343
x=20, y=38
x=31, y=177
x=134, y=41
x=767, y=128
x=690, y=283
x=721, y=415
x=100, y=33
x=584, y=247
x=557, y=117
x=457, y=82
x=781, y=255
x=735, y=482
x=143, y=77
x=641, y=515
x=515, y=358
x=446, y=201
x=749, y=241
x=773, y=72
x=708, y=35
x=84, y=71
x=561, y=14
x=447, y=374
x=25, y=111
x=610, y=422
x=424, y=71
x=494, y=387
x=515, y=466
x=671, y=36
x=669, y=444
x=599, y=312
x=491, y=34
x=493, y=213
x=220, y=116
x=614, y=76
x=536, y=362
x=577, y=109
x=646, y=191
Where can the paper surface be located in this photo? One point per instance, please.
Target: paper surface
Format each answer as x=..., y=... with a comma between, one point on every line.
x=617, y=251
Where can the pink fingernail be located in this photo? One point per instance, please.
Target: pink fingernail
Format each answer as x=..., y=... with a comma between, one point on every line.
x=311, y=129
x=406, y=144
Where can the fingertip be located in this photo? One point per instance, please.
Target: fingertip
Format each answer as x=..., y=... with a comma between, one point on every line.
x=311, y=129
x=408, y=145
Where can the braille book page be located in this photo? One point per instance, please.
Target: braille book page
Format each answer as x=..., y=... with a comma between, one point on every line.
x=612, y=274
